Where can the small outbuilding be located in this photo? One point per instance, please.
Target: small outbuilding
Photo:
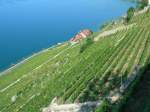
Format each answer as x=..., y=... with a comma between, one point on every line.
x=81, y=35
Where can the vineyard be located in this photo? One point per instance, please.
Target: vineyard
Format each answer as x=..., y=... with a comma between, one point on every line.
x=71, y=76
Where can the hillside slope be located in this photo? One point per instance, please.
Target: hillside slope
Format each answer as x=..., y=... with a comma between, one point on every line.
x=140, y=98
x=72, y=76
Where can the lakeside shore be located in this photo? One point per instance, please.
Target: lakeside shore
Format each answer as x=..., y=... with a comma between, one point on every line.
x=9, y=69
x=56, y=45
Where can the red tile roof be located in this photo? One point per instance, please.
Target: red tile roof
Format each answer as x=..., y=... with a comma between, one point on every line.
x=83, y=34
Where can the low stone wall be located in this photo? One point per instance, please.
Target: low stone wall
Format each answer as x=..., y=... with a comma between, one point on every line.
x=130, y=79
x=141, y=11
x=76, y=107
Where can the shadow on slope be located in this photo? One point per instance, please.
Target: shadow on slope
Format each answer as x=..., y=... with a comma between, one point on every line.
x=140, y=98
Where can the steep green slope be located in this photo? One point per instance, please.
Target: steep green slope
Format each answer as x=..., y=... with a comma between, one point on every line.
x=72, y=76
x=140, y=98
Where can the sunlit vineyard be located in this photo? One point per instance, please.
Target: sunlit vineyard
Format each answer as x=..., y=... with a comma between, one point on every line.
x=64, y=72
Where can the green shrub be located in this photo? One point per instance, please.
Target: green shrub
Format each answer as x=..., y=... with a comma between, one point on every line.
x=92, y=96
x=84, y=96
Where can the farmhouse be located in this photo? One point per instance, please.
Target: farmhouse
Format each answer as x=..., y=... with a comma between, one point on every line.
x=81, y=35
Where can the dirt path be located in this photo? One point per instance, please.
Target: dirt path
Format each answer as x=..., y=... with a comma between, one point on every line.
x=113, y=31
x=140, y=99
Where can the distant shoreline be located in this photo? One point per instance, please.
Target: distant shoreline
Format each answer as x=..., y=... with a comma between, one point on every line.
x=7, y=70
x=20, y=62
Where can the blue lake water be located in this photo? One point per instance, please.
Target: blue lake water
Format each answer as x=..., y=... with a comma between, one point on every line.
x=27, y=26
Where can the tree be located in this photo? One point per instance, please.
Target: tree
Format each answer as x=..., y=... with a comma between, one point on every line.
x=85, y=44
x=130, y=14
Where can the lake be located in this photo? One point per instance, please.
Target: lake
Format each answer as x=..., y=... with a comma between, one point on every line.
x=28, y=26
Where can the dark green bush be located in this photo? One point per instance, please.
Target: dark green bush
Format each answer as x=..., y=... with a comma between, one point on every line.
x=84, y=96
